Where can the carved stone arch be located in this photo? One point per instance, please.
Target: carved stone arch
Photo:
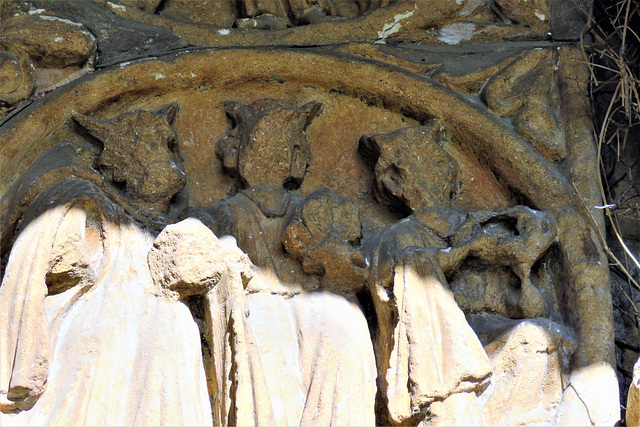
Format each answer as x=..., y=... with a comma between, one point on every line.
x=202, y=80
x=397, y=89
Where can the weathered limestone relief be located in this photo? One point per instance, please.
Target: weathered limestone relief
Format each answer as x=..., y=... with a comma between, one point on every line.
x=39, y=53
x=202, y=232
x=76, y=278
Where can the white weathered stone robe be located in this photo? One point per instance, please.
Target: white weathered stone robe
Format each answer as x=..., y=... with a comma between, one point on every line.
x=283, y=354
x=426, y=350
x=112, y=350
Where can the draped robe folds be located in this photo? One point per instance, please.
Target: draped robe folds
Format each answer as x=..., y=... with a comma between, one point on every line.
x=111, y=350
x=426, y=350
x=307, y=354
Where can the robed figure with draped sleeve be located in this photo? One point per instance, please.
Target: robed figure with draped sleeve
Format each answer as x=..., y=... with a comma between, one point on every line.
x=306, y=351
x=431, y=364
x=88, y=337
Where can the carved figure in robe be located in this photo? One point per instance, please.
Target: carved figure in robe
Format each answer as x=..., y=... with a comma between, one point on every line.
x=305, y=351
x=88, y=337
x=431, y=364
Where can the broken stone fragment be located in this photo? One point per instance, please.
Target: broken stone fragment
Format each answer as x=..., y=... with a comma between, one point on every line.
x=186, y=258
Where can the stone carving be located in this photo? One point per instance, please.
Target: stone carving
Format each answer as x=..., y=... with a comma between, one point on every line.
x=18, y=76
x=32, y=45
x=274, y=14
x=150, y=171
x=327, y=218
x=266, y=151
x=331, y=379
x=309, y=22
x=409, y=262
x=81, y=314
x=324, y=236
x=523, y=91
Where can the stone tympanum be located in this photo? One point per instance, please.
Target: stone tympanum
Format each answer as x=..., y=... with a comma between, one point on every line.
x=329, y=234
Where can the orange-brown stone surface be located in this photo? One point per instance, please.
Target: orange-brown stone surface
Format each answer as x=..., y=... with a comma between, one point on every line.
x=276, y=213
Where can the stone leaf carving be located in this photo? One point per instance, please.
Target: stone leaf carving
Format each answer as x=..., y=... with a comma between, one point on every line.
x=523, y=91
x=51, y=42
x=18, y=75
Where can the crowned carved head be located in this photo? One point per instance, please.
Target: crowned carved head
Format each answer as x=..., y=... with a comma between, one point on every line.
x=267, y=143
x=412, y=170
x=140, y=154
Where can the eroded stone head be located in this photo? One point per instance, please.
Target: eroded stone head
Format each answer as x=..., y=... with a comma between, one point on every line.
x=267, y=143
x=325, y=236
x=141, y=154
x=412, y=170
